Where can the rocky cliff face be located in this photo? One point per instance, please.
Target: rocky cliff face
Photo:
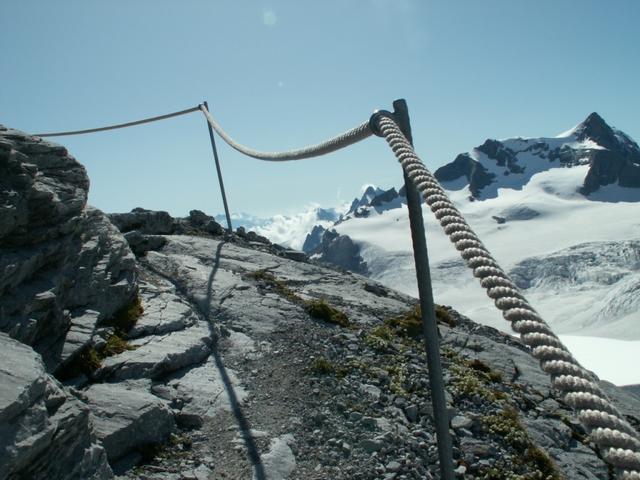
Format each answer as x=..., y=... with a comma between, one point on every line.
x=331, y=248
x=313, y=239
x=64, y=266
x=64, y=269
x=205, y=355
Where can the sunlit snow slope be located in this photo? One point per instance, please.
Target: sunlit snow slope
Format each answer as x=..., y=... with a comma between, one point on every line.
x=557, y=215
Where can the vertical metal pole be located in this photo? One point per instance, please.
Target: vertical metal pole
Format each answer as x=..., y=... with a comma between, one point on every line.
x=429, y=326
x=215, y=157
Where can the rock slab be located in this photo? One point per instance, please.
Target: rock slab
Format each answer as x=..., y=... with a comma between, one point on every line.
x=44, y=432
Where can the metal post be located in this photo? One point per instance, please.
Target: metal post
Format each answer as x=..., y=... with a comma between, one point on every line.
x=429, y=327
x=215, y=157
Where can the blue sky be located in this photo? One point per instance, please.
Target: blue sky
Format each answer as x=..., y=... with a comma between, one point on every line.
x=283, y=74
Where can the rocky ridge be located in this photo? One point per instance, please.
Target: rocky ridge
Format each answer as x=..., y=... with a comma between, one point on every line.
x=207, y=355
x=329, y=247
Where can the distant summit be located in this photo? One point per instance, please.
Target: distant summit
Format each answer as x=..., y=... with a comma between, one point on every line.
x=369, y=194
x=613, y=159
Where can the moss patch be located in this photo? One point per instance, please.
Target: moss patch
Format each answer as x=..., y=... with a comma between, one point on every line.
x=484, y=370
x=444, y=316
x=268, y=279
x=318, y=309
x=534, y=463
x=506, y=425
x=322, y=366
x=537, y=457
x=408, y=324
x=379, y=338
x=321, y=310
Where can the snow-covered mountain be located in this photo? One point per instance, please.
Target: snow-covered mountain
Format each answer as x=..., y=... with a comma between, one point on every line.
x=561, y=214
x=613, y=159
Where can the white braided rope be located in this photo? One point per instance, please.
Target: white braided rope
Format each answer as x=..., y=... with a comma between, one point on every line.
x=616, y=438
x=343, y=140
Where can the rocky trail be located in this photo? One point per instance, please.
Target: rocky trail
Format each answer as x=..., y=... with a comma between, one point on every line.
x=138, y=345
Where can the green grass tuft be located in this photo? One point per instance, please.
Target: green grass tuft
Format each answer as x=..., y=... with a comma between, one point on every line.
x=115, y=345
x=543, y=463
x=444, y=316
x=270, y=280
x=480, y=366
x=90, y=359
x=407, y=325
x=127, y=316
x=322, y=366
x=85, y=363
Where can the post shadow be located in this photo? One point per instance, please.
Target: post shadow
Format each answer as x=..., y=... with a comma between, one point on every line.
x=236, y=409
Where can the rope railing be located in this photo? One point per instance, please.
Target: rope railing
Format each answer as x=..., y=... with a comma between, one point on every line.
x=617, y=440
x=120, y=125
x=338, y=142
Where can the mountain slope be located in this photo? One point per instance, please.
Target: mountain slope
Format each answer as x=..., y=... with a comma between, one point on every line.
x=566, y=247
x=236, y=359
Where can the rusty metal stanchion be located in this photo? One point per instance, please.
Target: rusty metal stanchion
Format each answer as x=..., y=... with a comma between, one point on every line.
x=427, y=307
x=222, y=191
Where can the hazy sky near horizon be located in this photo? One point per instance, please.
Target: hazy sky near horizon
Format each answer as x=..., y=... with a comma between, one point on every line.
x=283, y=74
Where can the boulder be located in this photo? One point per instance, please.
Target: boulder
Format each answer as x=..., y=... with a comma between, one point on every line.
x=146, y=221
x=43, y=190
x=126, y=418
x=157, y=355
x=44, y=432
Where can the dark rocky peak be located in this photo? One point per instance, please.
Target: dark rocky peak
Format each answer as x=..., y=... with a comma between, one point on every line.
x=618, y=164
x=369, y=194
x=384, y=197
x=465, y=166
x=313, y=239
x=371, y=191
x=503, y=155
x=341, y=251
x=382, y=201
x=595, y=128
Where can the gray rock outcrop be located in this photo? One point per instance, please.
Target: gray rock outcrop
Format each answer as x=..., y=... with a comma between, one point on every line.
x=64, y=267
x=126, y=417
x=45, y=433
x=151, y=222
